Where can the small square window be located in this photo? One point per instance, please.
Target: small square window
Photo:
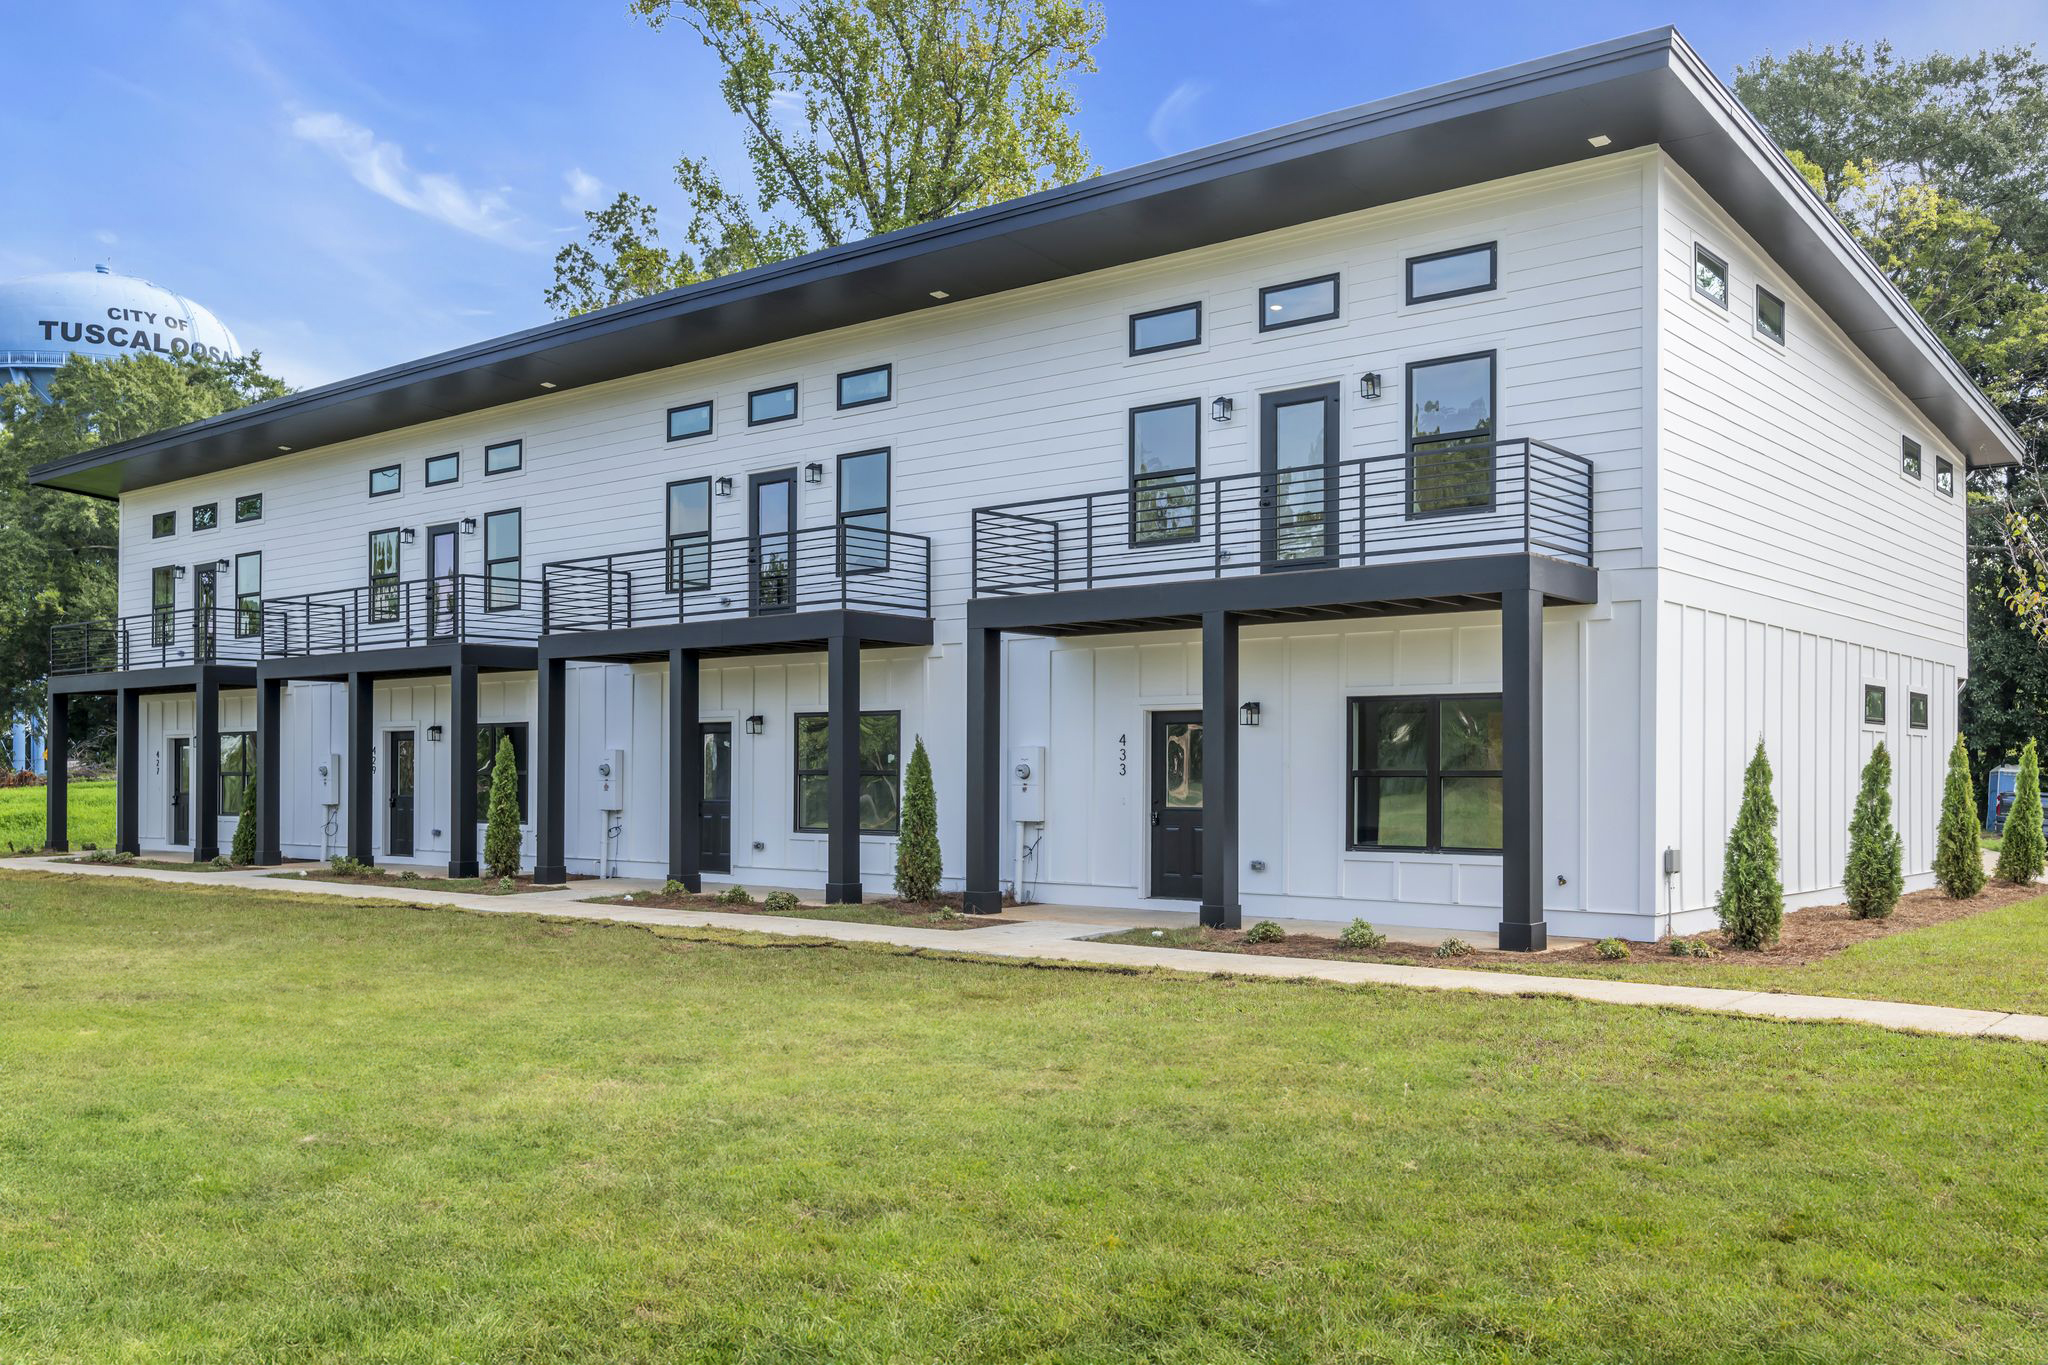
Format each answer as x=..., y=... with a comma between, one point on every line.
x=692, y=419
x=1916, y=710
x=1449, y=274
x=1710, y=276
x=1944, y=477
x=163, y=524
x=858, y=388
x=249, y=507
x=1770, y=315
x=443, y=469
x=1873, y=703
x=504, y=457
x=384, y=482
x=1291, y=305
x=206, y=516
x=771, y=405
x=1166, y=329
x=1909, y=457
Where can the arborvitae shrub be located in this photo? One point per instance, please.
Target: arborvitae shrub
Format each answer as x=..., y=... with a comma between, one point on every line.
x=243, y=851
x=917, y=841
x=501, y=823
x=2021, y=852
x=1958, y=861
x=1875, y=873
x=1752, y=903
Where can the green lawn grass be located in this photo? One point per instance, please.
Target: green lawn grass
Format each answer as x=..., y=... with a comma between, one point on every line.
x=260, y=1126
x=91, y=809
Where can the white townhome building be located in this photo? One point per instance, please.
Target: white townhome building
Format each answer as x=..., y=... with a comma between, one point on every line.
x=1418, y=512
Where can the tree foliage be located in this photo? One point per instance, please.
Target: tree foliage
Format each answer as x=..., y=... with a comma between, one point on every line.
x=1752, y=904
x=917, y=841
x=501, y=822
x=857, y=119
x=1958, y=861
x=242, y=852
x=1875, y=875
x=2021, y=851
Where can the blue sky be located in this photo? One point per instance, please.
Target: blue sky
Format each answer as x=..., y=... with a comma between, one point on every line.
x=349, y=186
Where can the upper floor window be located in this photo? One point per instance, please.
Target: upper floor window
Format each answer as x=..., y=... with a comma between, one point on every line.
x=1709, y=276
x=689, y=535
x=1449, y=274
x=443, y=469
x=771, y=405
x=1909, y=457
x=1944, y=477
x=1166, y=458
x=1916, y=710
x=504, y=457
x=249, y=593
x=1770, y=315
x=1166, y=329
x=858, y=388
x=1450, y=434
x=1873, y=703
x=163, y=524
x=501, y=560
x=384, y=482
x=384, y=603
x=691, y=419
x=1290, y=305
x=864, y=511
x=206, y=516
x=1426, y=773
x=249, y=507
x=163, y=599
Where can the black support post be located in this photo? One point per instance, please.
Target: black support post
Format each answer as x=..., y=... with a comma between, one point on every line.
x=206, y=770
x=269, y=770
x=1521, y=921
x=550, y=755
x=1220, y=908
x=984, y=797
x=685, y=772
x=462, y=761
x=57, y=790
x=842, y=763
x=359, y=787
x=127, y=771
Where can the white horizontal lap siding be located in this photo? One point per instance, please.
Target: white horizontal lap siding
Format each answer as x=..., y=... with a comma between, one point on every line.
x=1009, y=397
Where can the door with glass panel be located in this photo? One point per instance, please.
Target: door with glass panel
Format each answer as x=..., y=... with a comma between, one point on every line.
x=181, y=791
x=1298, y=493
x=772, y=547
x=1177, y=804
x=385, y=604
x=444, y=586
x=205, y=597
x=715, y=810
x=398, y=796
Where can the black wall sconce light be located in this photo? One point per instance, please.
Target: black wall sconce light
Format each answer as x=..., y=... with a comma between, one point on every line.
x=469, y=526
x=724, y=486
x=1248, y=714
x=1369, y=386
x=814, y=472
x=406, y=535
x=1222, y=409
x=756, y=724
x=433, y=734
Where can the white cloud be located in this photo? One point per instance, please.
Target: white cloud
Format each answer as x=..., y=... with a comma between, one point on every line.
x=381, y=168
x=106, y=238
x=585, y=192
x=1172, y=124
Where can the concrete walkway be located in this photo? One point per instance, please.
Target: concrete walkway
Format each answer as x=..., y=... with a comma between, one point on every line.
x=1065, y=940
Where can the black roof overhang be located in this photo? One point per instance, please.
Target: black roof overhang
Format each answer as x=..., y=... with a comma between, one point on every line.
x=1637, y=91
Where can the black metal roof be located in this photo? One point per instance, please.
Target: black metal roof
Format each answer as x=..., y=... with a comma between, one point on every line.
x=1647, y=89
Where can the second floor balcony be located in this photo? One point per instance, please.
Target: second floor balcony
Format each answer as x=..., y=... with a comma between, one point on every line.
x=168, y=637
x=403, y=614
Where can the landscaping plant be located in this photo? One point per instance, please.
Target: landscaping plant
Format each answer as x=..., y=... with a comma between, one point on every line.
x=734, y=895
x=1359, y=934
x=1875, y=875
x=917, y=842
x=501, y=825
x=1958, y=864
x=2021, y=853
x=1611, y=950
x=782, y=902
x=1454, y=947
x=1265, y=931
x=242, y=851
x=1752, y=904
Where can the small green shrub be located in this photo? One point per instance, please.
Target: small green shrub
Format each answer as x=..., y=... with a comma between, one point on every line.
x=1875, y=875
x=341, y=865
x=1454, y=947
x=2021, y=853
x=948, y=914
x=1752, y=900
x=672, y=887
x=1611, y=950
x=1359, y=934
x=781, y=902
x=506, y=886
x=1958, y=862
x=108, y=855
x=1692, y=947
x=735, y=895
x=221, y=862
x=409, y=875
x=1265, y=931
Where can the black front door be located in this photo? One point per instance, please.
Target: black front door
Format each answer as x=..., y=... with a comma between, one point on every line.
x=444, y=597
x=181, y=791
x=1177, y=804
x=1298, y=491
x=205, y=596
x=772, y=554
x=398, y=796
x=715, y=850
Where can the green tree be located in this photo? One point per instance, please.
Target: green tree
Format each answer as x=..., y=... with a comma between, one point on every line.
x=917, y=840
x=243, y=851
x=1752, y=904
x=1876, y=872
x=2021, y=853
x=501, y=822
x=1958, y=861
x=857, y=119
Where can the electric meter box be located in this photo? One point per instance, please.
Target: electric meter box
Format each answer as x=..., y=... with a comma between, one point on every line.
x=611, y=780
x=1027, y=784
x=327, y=780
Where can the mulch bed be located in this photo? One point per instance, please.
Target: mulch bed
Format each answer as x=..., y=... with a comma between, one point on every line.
x=916, y=914
x=480, y=886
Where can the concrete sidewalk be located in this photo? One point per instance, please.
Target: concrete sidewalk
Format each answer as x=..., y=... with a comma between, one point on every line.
x=1063, y=940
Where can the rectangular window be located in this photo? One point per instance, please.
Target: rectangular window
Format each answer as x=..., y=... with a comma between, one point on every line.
x=237, y=766
x=1709, y=276
x=880, y=736
x=1916, y=710
x=689, y=535
x=1770, y=315
x=384, y=575
x=487, y=737
x=163, y=606
x=502, y=536
x=163, y=524
x=692, y=419
x=206, y=516
x=1166, y=329
x=771, y=405
x=505, y=457
x=249, y=507
x=858, y=388
x=1290, y=305
x=1909, y=457
x=1450, y=435
x=444, y=469
x=1426, y=773
x=1451, y=274
x=249, y=594
x=1944, y=477
x=384, y=482
x=864, y=512
x=1873, y=703
x=1166, y=458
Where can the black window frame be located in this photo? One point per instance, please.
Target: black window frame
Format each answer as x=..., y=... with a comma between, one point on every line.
x=163, y=525
x=1700, y=252
x=889, y=391
x=1917, y=711
x=702, y=405
x=163, y=608
x=382, y=606
x=1911, y=463
x=244, y=742
x=397, y=473
x=824, y=773
x=1136, y=483
x=428, y=479
x=1882, y=693
x=1944, y=477
x=212, y=510
x=487, y=733
x=491, y=578
x=517, y=445
x=1336, y=282
x=1784, y=319
x=257, y=515
x=796, y=400
x=248, y=605
x=865, y=562
x=676, y=581
x=1470, y=439
x=1131, y=328
x=1432, y=773
x=1492, y=250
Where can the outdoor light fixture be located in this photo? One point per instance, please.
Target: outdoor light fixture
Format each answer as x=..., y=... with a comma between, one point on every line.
x=177, y=571
x=1369, y=386
x=222, y=565
x=433, y=734
x=756, y=724
x=814, y=472
x=940, y=294
x=547, y=383
x=405, y=535
x=469, y=526
x=724, y=485
x=1599, y=140
x=1248, y=714
x=286, y=449
x=1220, y=409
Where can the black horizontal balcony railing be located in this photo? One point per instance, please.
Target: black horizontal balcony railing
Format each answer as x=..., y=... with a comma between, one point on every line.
x=169, y=638
x=699, y=579
x=459, y=609
x=1491, y=497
